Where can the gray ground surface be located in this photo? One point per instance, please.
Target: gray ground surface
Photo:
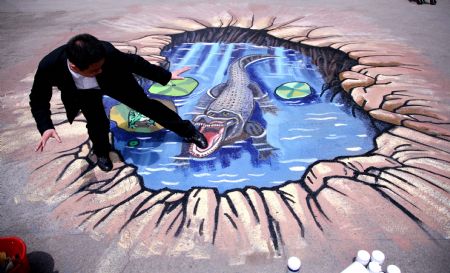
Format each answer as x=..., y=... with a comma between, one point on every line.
x=29, y=29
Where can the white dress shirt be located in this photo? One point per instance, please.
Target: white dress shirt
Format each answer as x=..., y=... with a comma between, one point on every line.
x=83, y=82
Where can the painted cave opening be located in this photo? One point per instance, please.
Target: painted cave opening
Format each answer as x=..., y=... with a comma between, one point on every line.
x=270, y=108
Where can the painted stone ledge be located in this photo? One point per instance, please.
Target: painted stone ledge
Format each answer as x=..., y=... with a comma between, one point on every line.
x=403, y=171
x=406, y=175
x=405, y=167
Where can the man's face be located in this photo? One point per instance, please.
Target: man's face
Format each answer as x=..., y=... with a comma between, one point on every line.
x=92, y=71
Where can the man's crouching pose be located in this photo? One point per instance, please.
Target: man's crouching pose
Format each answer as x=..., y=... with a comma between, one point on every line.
x=84, y=70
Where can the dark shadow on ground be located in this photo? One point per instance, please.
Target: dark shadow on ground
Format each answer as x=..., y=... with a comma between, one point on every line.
x=41, y=262
x=420, y=2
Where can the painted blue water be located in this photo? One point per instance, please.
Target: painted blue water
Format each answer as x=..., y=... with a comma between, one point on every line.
x=302, y=131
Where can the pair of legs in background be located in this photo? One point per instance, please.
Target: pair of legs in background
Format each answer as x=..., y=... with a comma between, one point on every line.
x=91, y=104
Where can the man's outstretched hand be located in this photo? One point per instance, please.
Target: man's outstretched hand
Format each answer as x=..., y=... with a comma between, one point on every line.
x=176, y=73
x=45, y=136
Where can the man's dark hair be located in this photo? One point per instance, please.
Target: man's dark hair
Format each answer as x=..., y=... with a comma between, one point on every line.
x=84, y=50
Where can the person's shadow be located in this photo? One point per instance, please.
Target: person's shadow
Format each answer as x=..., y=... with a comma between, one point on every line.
x=41, y=262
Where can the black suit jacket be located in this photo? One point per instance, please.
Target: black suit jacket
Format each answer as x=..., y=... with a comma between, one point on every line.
x=116, y=76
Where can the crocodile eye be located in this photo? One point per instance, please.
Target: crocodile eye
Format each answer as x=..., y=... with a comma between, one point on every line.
x=225, y=113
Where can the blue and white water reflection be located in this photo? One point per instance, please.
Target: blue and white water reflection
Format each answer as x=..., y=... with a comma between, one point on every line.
x=302, y=131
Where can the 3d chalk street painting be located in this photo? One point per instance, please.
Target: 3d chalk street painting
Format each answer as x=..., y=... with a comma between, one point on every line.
x=307, y=123
x=246, y=125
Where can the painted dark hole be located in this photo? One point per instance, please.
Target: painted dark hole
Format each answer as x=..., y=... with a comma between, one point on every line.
x=305, y=117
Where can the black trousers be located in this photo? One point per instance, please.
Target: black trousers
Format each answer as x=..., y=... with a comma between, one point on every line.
x=91, y=105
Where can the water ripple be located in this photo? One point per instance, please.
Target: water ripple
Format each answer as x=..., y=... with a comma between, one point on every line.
x=160, y=169
x=229, y=181
x=303, y=160
x=327, y=118
x=294, y=137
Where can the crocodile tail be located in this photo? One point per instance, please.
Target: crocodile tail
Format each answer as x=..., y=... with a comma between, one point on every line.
x=247, y=60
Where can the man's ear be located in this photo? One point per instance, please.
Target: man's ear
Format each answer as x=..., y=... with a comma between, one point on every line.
x=74, y=68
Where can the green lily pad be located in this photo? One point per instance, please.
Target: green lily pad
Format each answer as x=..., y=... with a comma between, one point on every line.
x=293, y=90
x=175, y=88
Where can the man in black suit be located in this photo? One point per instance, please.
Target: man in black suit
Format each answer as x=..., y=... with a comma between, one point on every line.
x=84, y=70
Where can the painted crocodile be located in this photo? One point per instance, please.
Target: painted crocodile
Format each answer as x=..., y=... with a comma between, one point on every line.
x=228, y=112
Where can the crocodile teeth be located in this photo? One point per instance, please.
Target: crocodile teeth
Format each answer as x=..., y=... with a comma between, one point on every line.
x=208, y=125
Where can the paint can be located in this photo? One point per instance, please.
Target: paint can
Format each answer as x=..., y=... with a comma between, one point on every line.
x=363, y=257
x=15, y=248
x=294, y=265
x=374, y=267
x=378, y=257
x=355, y=267
x=393, y=269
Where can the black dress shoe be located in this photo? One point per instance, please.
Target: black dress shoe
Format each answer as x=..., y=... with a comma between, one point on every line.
x=198, y=139
x=104, y=163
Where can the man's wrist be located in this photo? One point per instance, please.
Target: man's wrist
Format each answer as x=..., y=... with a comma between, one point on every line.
x=42, y=131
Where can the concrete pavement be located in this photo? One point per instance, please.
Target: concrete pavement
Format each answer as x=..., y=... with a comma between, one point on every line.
x=30, y=29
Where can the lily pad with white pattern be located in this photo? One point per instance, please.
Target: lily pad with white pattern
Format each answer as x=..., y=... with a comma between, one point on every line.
x=175, y=88
x=293, y=90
